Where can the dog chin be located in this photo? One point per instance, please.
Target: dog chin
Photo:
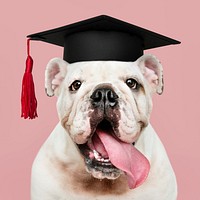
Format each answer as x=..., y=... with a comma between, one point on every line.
x=102, y=169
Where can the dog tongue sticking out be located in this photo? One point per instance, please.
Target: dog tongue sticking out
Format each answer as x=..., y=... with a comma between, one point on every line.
x=124, y=156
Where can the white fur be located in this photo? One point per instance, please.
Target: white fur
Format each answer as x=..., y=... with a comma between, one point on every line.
x=59, y=160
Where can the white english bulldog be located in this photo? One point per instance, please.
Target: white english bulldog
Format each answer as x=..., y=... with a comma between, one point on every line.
x=103, y=147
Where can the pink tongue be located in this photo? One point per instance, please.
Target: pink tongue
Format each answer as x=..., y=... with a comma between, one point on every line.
x=124, y=156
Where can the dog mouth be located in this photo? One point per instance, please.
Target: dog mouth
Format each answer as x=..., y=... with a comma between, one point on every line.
x=95, y=155
x=106, y=156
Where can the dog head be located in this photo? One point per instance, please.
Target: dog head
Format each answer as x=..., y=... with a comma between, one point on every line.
x=104, y=106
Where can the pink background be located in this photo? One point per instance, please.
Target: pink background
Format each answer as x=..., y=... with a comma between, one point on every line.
x=175, y=115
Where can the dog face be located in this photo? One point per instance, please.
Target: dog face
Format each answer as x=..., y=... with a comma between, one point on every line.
x=100, y=99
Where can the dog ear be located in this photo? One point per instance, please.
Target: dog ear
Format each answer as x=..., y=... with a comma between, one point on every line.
x=55, y=73
x=153, y=71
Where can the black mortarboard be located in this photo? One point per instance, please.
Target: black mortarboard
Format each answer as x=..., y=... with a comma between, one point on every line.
x=103, y=38
x=98, y=38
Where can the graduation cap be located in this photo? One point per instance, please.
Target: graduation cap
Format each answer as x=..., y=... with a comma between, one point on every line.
x=98, y=38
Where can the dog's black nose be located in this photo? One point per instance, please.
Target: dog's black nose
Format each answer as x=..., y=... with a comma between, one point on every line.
x=104, y=97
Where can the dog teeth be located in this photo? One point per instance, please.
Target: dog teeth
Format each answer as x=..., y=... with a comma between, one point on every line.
x=99, y=158
x=106, y=164
x=96, y=155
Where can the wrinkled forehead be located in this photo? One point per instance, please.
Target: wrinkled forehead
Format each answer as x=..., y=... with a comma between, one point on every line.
x=105, y=70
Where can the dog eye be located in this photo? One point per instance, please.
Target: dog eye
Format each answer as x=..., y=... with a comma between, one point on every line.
x=132, y=83
x=75, y=85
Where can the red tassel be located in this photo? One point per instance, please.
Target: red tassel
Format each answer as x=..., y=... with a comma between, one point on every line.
x=28, y=99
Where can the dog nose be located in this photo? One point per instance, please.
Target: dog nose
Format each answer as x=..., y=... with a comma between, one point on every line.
x=104, y=97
